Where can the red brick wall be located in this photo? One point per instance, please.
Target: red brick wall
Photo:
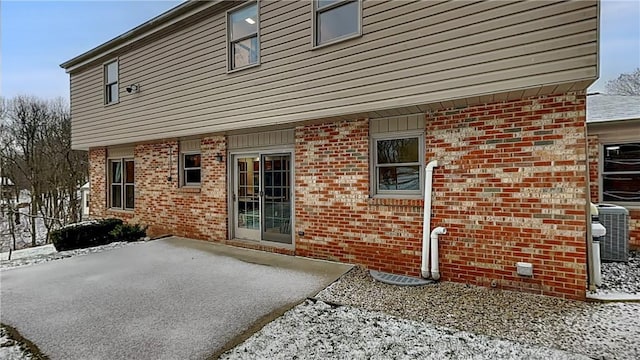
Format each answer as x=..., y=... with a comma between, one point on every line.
x=163, y=205
x=594, y=178
x=511, y=187
x=333, y=209
x=97, y=181
x=593, y=151
x=634, y=225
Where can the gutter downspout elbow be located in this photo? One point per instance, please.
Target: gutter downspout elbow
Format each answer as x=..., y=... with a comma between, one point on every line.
x=435, y=268
x=426, y=223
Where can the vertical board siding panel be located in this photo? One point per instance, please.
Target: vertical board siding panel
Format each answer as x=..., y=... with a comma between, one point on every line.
x=402, y=123
x=190, y=145
x=393, y=124
x=374, y=126
x=120, y=152
x=262, y=139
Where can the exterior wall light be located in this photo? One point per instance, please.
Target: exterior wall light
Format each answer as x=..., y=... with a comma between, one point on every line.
x=133, y=88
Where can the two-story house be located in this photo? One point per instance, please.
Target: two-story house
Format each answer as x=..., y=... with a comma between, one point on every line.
x=306, y=127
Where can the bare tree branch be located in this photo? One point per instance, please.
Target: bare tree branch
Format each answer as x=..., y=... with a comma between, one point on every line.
x=625, y=84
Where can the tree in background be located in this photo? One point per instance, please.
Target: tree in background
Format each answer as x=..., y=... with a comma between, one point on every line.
x=36, y=148
x=625, y=84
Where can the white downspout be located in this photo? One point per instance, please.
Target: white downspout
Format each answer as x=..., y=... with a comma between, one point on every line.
x=435, y=268
x=426, y=223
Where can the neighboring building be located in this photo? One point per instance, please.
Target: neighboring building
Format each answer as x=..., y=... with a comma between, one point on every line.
x=305, y=128
x=7, y=187
x=613, y=128
x=85, y=196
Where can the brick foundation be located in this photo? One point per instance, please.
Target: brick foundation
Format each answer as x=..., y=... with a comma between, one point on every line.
x=511, y=186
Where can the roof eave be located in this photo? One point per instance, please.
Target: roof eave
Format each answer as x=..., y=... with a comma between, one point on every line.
x=629, y=120
x=159, y=22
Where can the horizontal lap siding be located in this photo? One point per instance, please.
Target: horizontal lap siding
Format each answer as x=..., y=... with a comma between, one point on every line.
x=410, y=53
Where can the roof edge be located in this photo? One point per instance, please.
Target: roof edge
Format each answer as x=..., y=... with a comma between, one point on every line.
x=628, y=120
x=186, y=9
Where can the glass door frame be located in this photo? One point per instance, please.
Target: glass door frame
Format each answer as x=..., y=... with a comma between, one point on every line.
x=244, y=232
x=233, y=155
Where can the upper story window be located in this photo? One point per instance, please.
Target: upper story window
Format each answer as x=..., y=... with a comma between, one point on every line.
x=244, y=43
x=621, y=173
x=111, y=82
x=336, y=20
x=398, y=164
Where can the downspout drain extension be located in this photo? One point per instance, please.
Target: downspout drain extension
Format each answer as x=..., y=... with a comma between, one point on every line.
x=400, y=280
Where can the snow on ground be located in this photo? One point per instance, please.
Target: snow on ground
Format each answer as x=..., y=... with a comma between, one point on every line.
x=39, y=256
x=382, y=321
x=28, y=252
x=11, y=349
x=22, y=231
x=320, y=331
x=621, y=277
x=597, y=330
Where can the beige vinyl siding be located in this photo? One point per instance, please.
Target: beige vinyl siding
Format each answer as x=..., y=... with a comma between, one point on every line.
x=411, y=54
x=262, y=139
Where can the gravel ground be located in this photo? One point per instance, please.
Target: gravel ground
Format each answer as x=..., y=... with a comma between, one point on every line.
x=320, y=331
x=598, y=330
x=621, y=277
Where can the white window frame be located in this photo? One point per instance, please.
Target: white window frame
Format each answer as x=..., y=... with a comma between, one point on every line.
x=314, y=23
x=123, y=184
x=183, y=169
x=373, y=147
x=107, y=85
x=602, y=173
x=230, y=42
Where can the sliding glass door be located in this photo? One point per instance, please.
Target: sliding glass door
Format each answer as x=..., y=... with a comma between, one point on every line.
x=262, y=200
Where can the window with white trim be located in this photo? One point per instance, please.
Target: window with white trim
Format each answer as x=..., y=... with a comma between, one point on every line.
x=121, y=184
x=191, y=169
x=244, y=44
x=398, y=164
x=621, y=173
x=111, y=82
x=336, y=20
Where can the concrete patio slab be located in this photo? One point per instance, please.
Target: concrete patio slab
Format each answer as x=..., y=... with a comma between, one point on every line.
x=173, y=298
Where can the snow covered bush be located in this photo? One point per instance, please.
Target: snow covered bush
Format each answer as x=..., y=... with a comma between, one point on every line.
x=85, y=235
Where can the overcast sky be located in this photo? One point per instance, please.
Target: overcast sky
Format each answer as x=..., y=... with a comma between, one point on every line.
x=39, y=35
